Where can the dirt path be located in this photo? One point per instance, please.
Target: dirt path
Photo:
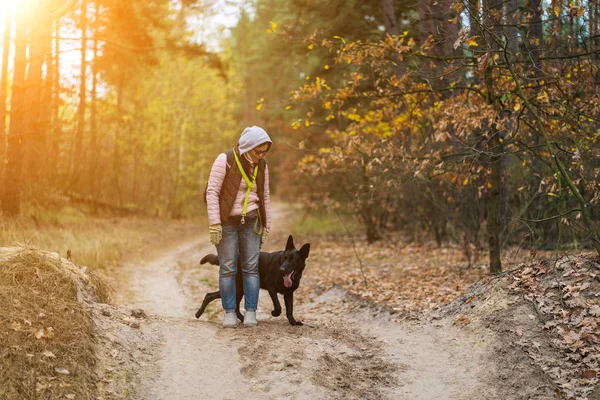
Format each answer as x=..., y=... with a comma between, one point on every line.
x=346, y=350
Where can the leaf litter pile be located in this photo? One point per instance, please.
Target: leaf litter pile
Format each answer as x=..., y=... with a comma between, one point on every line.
x=565, y=298
x=46, y=348
x=561, y=298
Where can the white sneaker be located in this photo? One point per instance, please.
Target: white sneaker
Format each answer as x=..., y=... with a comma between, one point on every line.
x=230, y=320
x=250, y=318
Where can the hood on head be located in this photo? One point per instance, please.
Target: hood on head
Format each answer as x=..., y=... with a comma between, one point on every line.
x=252, y=137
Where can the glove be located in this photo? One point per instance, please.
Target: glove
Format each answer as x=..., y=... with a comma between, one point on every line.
x=216, y=234
x=263, y=237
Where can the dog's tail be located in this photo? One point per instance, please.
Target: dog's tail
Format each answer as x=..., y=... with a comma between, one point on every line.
x=210, y=258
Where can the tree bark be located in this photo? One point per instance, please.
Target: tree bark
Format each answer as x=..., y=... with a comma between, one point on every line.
x=55, y=109
x=389, y=17
x=45, y=113
x=78, y=151
x=3, y=89
x=494, y=217
x=11, y=194
x=92, y=179
x=492, y=9
x=535, y=34
x=34, y=134
x=557, y=26
x=512, y=31
x=116, y=151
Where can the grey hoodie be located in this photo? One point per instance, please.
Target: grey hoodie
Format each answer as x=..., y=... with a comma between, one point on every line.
x=252, y=137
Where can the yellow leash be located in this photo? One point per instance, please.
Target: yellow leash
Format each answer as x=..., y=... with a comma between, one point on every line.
x=248, y=182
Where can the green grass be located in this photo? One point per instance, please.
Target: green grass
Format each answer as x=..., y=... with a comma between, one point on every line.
x=207, y=282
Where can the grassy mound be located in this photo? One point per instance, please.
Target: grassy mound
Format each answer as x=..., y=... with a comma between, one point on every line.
x=46, y=333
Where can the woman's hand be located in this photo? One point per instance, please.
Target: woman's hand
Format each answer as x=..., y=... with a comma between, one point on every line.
x=216, y=234
x=263, y=236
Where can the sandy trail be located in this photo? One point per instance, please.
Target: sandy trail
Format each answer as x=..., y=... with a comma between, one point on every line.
x=347, y=350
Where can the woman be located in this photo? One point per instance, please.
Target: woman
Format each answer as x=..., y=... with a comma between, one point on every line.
x=239, y=215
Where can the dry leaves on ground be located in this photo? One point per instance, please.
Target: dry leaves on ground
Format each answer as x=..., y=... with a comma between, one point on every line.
x=565, y=295
x=408, y=280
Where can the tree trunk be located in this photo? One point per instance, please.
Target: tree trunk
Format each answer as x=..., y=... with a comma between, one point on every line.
x=55, y=107
x=439, y=22
x=535, y=34
x=389, y=17
x=11, y=194
x=493, y=219
x=596, y=40
x=94, y=154
x=3, y=89
x=34, y=134
x=116, y=152
x=78, y=152
x=492, y=25
x=512, y=31
x=451, y=26
x=557, y=27
x=45, y=112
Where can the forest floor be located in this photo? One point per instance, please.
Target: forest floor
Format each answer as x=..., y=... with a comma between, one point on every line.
x=391, y=320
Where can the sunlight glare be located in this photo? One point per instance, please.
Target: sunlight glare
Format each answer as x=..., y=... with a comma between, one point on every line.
x=9, y=4
x=13, y=5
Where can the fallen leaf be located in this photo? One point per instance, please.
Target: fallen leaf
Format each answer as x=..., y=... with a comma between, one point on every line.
x=40, y=386
x=45, y=332
x=470, y=299
x=595, y=311
x=63, y=371
x=568, y=273
x=571, y=337
x=589, y=374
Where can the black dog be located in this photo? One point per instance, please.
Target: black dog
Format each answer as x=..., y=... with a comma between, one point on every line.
x=280, y=272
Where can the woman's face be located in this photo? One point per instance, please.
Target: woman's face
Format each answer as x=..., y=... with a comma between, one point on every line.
x=259, y=152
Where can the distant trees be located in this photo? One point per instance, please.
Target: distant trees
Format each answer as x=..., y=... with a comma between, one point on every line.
x=117, y=133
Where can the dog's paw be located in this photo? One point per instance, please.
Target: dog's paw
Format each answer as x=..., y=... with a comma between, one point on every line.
x=198, y=314
x=298, y=323
x=276, y=313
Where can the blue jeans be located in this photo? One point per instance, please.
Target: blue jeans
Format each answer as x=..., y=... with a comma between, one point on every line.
x=239, y=240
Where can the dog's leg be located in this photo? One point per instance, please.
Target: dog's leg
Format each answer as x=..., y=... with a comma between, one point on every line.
x=276, y=305
x=289, y=309
x=207, y=299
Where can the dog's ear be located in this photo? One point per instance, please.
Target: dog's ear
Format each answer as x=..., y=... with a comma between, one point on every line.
x=304, y=250
x=290, y=244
